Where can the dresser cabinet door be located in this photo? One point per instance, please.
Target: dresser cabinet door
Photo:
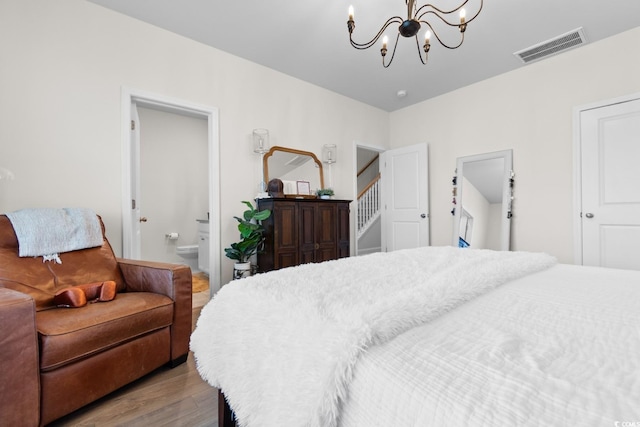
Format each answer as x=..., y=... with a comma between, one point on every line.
x=307, y=238
x=344, y=235
x=285, y=235
x=326, y=232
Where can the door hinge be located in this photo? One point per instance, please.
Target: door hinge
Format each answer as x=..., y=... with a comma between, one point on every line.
x=133, y=125
x=133, y=204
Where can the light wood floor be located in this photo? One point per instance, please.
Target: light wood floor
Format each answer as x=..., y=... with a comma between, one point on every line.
x=166, y=397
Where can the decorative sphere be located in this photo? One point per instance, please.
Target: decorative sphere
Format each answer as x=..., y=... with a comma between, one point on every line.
x=409, y=28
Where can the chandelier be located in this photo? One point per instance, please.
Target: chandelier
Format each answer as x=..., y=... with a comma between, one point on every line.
x=411, y=26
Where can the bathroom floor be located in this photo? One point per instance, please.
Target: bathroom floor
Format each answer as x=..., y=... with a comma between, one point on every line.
x=200, y=286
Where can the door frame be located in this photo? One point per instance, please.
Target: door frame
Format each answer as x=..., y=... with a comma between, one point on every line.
x=354, y=210
x=577, y=167
x=175, y=106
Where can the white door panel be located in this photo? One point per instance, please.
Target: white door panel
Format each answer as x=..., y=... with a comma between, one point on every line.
x=135, y=182
x=610, y=149
x=405, y=193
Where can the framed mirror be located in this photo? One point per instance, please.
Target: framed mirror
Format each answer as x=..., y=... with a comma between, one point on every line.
x=482, y=218
x=296, y=168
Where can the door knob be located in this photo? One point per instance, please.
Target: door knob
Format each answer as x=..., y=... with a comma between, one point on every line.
x=423, y=216
x=589, y=215
x=143, y=219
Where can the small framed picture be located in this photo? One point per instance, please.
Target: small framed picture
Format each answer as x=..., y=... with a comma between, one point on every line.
x=303, y=187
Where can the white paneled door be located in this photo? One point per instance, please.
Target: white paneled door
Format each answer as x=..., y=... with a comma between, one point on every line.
x=405, y=196
x=610, y=165
x=135, y=183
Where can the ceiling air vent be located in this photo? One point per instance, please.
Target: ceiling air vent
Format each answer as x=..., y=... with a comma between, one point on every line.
x=554, y=46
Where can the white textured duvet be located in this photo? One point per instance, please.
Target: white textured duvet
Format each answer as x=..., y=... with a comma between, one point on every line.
x=283, y=345
x=557, y=348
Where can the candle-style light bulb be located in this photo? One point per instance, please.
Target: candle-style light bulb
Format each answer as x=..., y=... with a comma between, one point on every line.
x=351, y=12
x=383, y=51
x=463, y=21
x=427, y=45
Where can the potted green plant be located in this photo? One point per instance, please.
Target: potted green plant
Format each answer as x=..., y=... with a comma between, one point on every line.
x=251, y=239
x=324, y=193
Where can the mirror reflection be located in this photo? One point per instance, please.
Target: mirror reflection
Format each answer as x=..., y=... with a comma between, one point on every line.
x=483, y=215
x=295, y=168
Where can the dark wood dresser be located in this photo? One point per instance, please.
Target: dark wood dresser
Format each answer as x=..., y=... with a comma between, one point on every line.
x=300, y=231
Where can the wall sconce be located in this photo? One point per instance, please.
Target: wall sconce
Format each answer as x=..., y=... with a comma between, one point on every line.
x=261, y=146
x=329, y=153
x=6, y=174
x=330, y=156
x=260, y=141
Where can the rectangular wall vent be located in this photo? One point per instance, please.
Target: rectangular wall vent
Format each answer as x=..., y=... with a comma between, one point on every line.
x=551, y=47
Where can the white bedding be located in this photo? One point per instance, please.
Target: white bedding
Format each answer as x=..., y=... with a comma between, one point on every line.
x=282, y=346
x=557, y=348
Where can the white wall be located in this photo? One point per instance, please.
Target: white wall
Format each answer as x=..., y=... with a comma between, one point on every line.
x=64, y=63
x=174, y=169
x=529, y=110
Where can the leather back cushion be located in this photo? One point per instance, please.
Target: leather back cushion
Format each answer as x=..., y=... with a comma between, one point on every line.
x=41, y=280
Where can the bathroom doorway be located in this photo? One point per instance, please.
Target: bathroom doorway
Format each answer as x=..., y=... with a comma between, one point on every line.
x=174, y=190
x=158, y=179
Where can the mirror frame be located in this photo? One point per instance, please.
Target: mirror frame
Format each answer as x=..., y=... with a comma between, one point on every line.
x=507, y=193
x=265, y=161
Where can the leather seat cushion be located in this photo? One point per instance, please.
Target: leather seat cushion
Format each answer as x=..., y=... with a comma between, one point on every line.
x=70, y=334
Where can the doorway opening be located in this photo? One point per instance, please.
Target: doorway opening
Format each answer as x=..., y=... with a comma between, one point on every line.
x=131, y=189
x=368, y=229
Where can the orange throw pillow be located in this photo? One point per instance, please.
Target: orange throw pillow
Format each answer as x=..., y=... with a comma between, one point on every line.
x=78, y=296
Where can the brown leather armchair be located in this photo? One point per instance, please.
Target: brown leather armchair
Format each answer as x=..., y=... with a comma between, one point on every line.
x=56, y=360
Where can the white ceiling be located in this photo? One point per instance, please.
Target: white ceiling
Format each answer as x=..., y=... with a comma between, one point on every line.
x=309, y=39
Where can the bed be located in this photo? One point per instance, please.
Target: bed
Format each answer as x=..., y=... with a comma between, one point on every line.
x=427, y=337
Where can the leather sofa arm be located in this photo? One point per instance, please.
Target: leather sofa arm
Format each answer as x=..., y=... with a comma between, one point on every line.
x=19, y=370
x=172, y=280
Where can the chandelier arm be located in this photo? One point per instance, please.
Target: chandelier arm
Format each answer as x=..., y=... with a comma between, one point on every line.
x=445, y=12
x=367, y=45
x=437, y=12
x=440, y=40
x=419, y=53
x=393, y=54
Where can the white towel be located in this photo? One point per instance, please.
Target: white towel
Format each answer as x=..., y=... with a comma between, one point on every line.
x=48, y=232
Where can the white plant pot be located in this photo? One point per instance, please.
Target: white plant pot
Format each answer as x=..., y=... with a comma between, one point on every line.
x=325, y=197
x=241, y=270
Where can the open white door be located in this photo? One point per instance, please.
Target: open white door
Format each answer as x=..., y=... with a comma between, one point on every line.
x=135, y=183
x=405, y=196
x=610, y=214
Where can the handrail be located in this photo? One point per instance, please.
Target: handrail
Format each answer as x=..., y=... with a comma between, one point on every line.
x=371, y=184
x=361, y=171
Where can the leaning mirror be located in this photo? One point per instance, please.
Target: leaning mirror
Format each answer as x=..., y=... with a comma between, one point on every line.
x=483, y=187
x=295, y=168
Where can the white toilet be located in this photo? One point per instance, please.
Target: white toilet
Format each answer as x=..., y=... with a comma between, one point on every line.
x=190, y=254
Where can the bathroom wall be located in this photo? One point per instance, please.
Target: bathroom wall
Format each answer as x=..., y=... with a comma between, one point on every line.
x=174, y=187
